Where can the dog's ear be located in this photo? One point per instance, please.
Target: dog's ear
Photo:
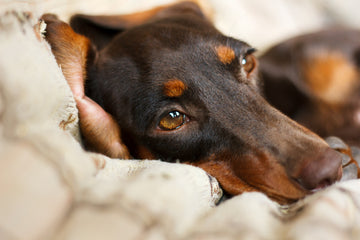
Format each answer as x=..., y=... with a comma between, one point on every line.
x=281, y=84
x=74, y=53
x=101, y=29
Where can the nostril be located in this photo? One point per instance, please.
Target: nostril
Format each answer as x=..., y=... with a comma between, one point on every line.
x=321, y=171
x=324, y=183
x=328, y=181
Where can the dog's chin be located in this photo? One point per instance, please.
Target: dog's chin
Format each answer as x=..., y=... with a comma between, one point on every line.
x=288, y=198
x=281, y=196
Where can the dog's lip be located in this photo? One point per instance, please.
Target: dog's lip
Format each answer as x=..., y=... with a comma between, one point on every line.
x=283, y=199
x=296, y=183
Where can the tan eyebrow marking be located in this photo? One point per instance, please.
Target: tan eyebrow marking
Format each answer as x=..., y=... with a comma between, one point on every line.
x=174, y=88
x=225, y=54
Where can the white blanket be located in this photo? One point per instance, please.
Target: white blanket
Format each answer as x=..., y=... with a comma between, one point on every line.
x=51, y=189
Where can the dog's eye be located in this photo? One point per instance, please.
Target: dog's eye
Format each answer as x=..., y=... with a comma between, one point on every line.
x=172, y=120
x=248, y=63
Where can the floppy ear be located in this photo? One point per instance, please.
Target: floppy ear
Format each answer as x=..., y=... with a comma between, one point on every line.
x=281, y=81
x=101, y=29
x=74, y=53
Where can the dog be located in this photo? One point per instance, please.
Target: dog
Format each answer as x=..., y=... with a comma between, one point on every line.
x=314, y=79
x=166, y=84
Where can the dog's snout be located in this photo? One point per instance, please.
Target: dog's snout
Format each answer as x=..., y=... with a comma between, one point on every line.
x=322, y=171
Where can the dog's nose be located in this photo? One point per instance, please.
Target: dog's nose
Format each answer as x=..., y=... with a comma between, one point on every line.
x=322, y=171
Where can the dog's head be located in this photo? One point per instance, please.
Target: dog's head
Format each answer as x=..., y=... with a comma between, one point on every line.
x=319, y=74
x=182, y=91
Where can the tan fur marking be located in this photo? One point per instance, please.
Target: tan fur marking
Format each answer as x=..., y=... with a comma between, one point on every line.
x=144, y=153
x=225, y=54
x=330, y=76
x=174, y=88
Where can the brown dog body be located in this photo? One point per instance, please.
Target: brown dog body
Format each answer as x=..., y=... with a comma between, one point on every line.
x=315, y=80
x=179, y=90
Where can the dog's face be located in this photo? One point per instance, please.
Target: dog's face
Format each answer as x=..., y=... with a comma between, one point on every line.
x=179, y=99
x=181, y=91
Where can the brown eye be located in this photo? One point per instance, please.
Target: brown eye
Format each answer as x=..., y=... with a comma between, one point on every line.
x=248, y=63
x=173, y=120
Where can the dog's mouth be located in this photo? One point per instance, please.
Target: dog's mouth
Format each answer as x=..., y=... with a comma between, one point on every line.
x=279, y=187
x=294, y=190
x=349, y=169
x=256, y=173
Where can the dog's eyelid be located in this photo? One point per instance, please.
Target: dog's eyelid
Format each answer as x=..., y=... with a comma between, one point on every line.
x=248, y=62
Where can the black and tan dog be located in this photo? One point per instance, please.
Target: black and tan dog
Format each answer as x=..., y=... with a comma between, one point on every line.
x=179, y=90
x=315, y=79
